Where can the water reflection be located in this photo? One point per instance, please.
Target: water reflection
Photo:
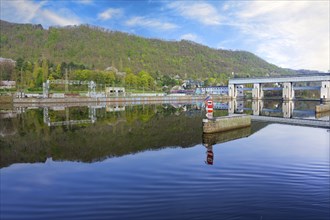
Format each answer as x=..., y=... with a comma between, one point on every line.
x=32, y=134
x=72, y=133
x=209, y=154
x=151, y=160
x=211, y=139
x=68, y=121
x=276, y=108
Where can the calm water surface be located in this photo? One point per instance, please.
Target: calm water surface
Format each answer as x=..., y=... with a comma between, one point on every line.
x=150, y=162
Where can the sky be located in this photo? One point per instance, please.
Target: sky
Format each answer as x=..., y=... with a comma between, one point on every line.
x=289, y=34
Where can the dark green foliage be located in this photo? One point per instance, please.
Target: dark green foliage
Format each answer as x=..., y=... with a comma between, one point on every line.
x=99, y=48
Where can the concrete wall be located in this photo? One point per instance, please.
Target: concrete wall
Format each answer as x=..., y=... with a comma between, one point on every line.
x=222, y=137
x=322, y=108
x=226, y=123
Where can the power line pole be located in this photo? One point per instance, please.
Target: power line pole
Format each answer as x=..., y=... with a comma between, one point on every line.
x=66, y=81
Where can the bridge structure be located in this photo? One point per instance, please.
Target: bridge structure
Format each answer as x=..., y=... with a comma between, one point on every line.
x=286, y=84
x=91, y=85
x=284, y=113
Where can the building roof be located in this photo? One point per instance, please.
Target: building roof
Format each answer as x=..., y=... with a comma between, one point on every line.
x=7, y=83
x=6, y=60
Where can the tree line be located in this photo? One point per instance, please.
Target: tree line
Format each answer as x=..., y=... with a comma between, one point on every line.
x=30, y=76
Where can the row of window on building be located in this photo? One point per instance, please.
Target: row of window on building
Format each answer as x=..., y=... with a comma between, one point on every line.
x=214, y=90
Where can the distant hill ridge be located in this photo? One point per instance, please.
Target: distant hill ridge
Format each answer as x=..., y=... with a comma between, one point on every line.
x=100, y=48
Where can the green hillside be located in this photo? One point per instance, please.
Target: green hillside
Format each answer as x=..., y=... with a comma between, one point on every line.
x=98, y=48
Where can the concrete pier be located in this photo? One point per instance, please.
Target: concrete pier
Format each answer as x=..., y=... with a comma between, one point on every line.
x=322, y=108
x=210, y=139
x=226, y=123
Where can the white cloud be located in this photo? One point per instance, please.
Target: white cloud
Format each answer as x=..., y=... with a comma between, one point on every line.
x=192, y=37
x=19, y=11
x=292, y=34
x=202, y=12
x=53, y=18
x=110, y=13
x=23, y=11
x=150, y=23
x=85, y=2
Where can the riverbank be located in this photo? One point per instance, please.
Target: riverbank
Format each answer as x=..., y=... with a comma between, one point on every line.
x=112, y=99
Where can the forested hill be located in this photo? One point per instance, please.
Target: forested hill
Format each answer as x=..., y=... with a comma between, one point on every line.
x=99, y=48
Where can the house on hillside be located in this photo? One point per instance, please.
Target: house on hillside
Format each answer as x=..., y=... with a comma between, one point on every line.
x=7, y=60
x=7, y=84
x=192, y=84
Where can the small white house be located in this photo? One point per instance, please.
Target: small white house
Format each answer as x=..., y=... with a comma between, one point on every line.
x=114, y=91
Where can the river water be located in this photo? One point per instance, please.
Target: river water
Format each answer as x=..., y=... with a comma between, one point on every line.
x=152, y=161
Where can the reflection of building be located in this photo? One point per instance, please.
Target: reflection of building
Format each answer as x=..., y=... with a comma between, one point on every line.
x=114, y=91
x=287, y=109
x=221, y=137
x=116, y=108
x=209, y=154
x=68, y=121
x=235, y=106
x=257, y=106
x=8, y=114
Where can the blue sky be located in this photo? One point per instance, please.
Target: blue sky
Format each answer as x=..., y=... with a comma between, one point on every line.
x=290, y=34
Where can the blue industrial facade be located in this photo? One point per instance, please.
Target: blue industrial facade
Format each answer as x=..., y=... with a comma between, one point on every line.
x=213, y=90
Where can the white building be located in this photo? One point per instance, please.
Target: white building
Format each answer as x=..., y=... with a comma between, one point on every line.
x=114, y=91
x=213, y=90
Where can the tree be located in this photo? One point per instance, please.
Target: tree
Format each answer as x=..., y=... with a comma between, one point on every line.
x=168, y=81
x=58, y=72
x=145, y=80
x=27, y=74
x=37, y=76
x=108, y=77
x=7, y=69
x=19, y=63
x=131, y=79
x=45, y=70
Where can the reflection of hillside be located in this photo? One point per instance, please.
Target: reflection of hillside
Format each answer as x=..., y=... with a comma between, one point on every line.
x=115, y=134
x=7, y=128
